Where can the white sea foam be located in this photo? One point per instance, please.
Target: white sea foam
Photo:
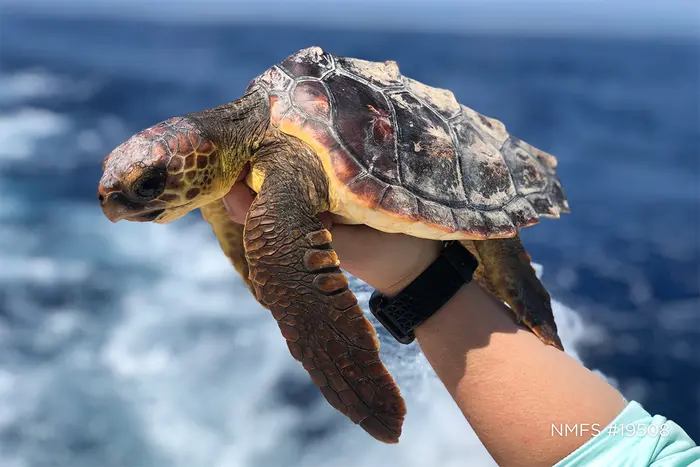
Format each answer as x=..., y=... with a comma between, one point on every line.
x=22, y=129
x=176, y=365
x=35, y=84
x=19, y=87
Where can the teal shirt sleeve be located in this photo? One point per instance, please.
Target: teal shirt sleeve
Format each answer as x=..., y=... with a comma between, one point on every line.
x=636, y=439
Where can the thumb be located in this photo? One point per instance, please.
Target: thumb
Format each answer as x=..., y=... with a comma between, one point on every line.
x=237, y=202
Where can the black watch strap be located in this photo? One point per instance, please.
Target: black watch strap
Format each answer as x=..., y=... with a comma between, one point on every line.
x=424, y=296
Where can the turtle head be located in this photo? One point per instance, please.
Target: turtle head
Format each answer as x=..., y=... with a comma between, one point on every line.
x=162, y=173
x=184, y=163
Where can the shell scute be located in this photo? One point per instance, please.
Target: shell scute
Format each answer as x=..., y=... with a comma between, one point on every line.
x=381, y=74
x=311, y=62
x=485, y=174
x=369, y=190
x=521, y=212
x=320, y=133
x=527, y=173
x=357, y=109
x=345, y=166
x=491, y=127
x=499, y=224
x=545, y=158
x=437, y=214
x=441, y=100
x=275, y=80
x=548, y=161
x=426, y=151
x=279, y=105
x=398, y=200
x=292, y=119
x=471, y=221
x=558, y=196
x=311, y=97
x=543, y=205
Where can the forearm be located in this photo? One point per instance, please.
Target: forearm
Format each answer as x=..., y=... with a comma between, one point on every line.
x=511, y=387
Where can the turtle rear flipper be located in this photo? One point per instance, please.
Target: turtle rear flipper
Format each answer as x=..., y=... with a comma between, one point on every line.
x=506, y=272
x=296, y=274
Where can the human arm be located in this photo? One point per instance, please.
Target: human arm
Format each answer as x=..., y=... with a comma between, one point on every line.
x=509, y=386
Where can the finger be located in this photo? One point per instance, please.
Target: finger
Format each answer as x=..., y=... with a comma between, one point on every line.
x=358, y=245
x=326, y=219
x=237, y=202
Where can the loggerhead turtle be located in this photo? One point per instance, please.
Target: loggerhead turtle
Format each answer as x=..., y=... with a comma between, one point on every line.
x=319, y=132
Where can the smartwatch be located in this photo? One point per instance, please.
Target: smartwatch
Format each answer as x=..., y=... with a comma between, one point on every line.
x=423, y=297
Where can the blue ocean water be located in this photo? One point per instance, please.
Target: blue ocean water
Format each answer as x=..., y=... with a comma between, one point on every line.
x=136, y=345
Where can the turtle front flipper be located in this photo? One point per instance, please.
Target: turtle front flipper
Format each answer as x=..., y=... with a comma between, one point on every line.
x=506, y=272
x=296, y=274
x=230, y=236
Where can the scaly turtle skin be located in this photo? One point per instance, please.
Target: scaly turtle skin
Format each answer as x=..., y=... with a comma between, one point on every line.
x=324, y=133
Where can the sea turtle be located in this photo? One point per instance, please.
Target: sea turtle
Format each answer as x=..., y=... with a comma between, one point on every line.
x=319, y=132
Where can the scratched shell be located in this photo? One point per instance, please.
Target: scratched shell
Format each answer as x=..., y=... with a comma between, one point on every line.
x=411, y=149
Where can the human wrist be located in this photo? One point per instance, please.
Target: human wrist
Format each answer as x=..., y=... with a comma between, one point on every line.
x=426, y=294
x=463, y=301
x=390, y=286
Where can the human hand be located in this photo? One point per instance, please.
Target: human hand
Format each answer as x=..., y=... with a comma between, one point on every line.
x=387, y=262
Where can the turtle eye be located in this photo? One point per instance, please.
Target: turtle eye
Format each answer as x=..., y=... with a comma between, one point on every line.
x=150, y=185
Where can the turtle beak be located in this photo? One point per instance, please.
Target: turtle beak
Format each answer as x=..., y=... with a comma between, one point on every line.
x=116, y=207
x=112, y=208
